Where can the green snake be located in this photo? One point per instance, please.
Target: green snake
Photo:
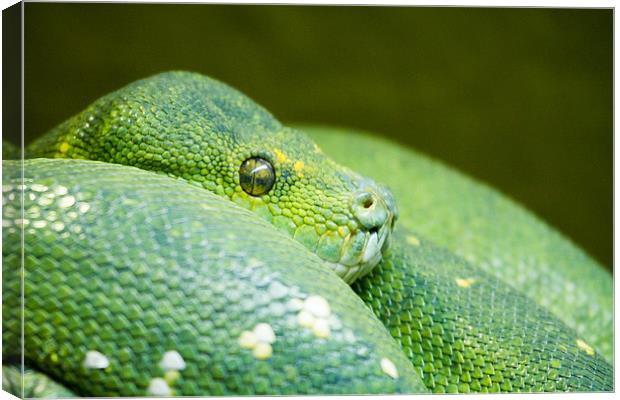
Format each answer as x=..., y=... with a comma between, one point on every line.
x=179, y=240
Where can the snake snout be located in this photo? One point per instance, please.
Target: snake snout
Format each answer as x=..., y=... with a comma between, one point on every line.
x=373, y=207
x=369, y=210
x=374, y=210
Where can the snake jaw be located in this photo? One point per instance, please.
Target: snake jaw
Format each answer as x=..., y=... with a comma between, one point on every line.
x=374, y=212
x=357, y=261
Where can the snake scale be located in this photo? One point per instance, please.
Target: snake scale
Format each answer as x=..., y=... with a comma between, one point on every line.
x=179, y=240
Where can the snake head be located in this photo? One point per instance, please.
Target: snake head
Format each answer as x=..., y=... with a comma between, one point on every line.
x=343, y=217
x=196, y=128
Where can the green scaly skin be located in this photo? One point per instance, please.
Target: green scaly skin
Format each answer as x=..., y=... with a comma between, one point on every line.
x=133, y=264
x=202, y=130
x=412, y=289
x=466, y=331
x=487, y=229
x=454, y=337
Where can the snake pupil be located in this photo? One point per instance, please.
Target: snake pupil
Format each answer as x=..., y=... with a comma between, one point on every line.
x=256, y=176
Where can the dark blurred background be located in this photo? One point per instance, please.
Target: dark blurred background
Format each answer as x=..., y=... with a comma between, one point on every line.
x=519, y=98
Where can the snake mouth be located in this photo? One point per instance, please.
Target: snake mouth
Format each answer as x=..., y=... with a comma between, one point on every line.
x=361, y=251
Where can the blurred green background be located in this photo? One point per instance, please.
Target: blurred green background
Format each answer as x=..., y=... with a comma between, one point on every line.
x=519, y=98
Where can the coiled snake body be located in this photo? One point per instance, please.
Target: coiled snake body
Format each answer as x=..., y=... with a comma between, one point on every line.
x=178, y=240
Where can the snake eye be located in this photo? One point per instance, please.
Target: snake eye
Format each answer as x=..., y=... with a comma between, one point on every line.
x=256, y=176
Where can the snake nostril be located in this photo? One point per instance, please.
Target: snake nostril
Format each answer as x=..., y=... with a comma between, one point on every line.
x=365, y=200
x=369, y=209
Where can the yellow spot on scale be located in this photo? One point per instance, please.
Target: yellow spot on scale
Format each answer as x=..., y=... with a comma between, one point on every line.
x=172, y=361
x=262, y=351
x=305, y=319
x=171, y=376
x=264, y=333
x=298, y=166
x=64, y=147
x=39, y=223
x=465, y=282
x=61, y=190
x=38, y=188
x=45, y=201
x=321, y=328
x=585, y=347
x=259, y=341
x=412, y=240
x=159, y=387
x=57, y=226
x=66, y=201
x=389, y=368
x=95, y=360
x=318, y=306
x=280, y=157
x=247, y=340
x=343, y=231
x=314, y=315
